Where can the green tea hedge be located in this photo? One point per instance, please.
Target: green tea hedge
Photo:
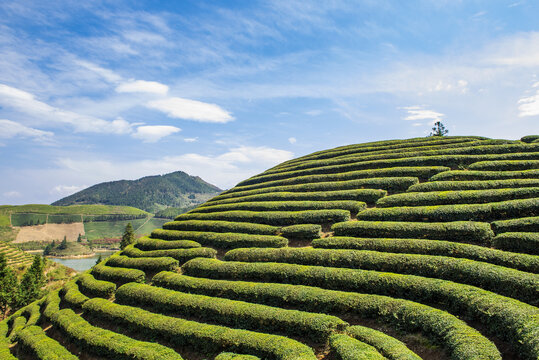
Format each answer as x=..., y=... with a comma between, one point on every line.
x=221, y=226
x=237, y=314
x=95, y=288
x=468, y=175
x=386, y=345
x=509, y=282
x=523, y=262
x=222, y=240
x=35, y=341
x=466, y=231
x=145, y=243
x=202, y=337
x=525, y=224
x=117, y=275
x=347, y=348
x=454, y=335
x=278, y=206
x=143, y=263
x=233, y=356
x=507, y=165
x=182, y=255
x=302, y=231
x=525, y=242
x=473, y=185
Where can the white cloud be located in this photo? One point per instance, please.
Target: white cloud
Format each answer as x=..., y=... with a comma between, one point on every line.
x=419, y=113
x=191, y=110
x=154, y=133
x=292, y=140
x=65, y=190
x=10, y=129
x=313, y=112
x=106, y=74
x=142, y=86
x=529, y=106
x=12, y=194
x=190, y=140
x=43, y=113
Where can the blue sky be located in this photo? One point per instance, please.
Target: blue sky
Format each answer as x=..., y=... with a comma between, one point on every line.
x=99, y=91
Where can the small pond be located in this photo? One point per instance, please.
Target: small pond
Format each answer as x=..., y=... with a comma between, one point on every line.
x=82, y=264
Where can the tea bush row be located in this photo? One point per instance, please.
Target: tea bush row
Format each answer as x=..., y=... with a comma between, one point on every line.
x=221, y=226
x=473, y=185
x=352, y=206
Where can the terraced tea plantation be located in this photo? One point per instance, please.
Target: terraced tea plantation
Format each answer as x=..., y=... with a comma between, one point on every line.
x=402, y=249
x=16, y=258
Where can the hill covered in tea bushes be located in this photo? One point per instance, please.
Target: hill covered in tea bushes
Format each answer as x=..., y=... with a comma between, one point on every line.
x=401, y=249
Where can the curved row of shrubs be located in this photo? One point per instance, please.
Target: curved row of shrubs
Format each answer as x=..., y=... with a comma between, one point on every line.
x=275, y=218
x=352, y=206
x=452, y=161
x=465, y=231
x=401, y=153
x=498, y=279
x=506, y=165
x=202, y=337
x=386, y=345
x=473, y=185
x=152, y=264
x=347, y=348
x=457, y=197
x=234, y=313
x=376, y=146
x=221, y=226
x=302, y=231
x=117, y=275
x=95, y=288
x=364, y=195
x=72, y=296
x=469, y=175
x=453, y=334
x=525, y=242
x=182, y=255
x=420, y=172
x=5, y=353
x=233, y=356
x=101, y=342
x=145, y=243
x=511, y=319
x=391, y=184
x=525, y=224
x=37, y=343
x=475, y=212
x=523, y=262
x=222, y=240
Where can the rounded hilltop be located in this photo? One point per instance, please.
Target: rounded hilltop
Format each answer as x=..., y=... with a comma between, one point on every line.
x=401, y=249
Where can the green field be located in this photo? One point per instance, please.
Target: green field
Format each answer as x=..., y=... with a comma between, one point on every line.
x=115, y=229
x=423, y=248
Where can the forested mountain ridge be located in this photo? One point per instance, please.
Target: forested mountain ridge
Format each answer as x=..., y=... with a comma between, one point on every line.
x=150, y=193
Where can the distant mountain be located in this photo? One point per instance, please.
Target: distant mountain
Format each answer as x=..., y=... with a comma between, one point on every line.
x=150, y=193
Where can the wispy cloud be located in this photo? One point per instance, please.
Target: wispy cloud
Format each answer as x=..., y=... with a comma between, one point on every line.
x=292, y=140
x=11, y=129
x=141, y=86
x=191, y=110
x=416, y=113
x=65, y=190
x=154, y=133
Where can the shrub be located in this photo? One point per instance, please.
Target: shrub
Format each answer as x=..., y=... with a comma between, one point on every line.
x=352, y=206
x=72, y=295
x=460, y=340
x=517, y=261
x=386, y=345
x=473, y=185
x=392, y=184
x=529, y=138
x=421, y=172
x=509, y=282
x=42, y=346
x=117, y=275
x=526, y=242
x=146, y=243
x=508, y=318
x=237, y=314
x=302, y=231
x=526, y=224
x=5, y=353
x=457, y=197
x=466, y=231
x=475, y=212
x=203, y=337
x=96, y=288
x=32, y=312
x=104, y=343
x=363, y=195
x=275, y=218
x=182, y=255
x=506, y=165
x=232, y=356
x=347, y=348
x=143, y=263
x=221, y=226
x=467, y=175
x=222, y=240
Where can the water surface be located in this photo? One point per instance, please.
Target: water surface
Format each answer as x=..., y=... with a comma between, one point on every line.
x=82, y=264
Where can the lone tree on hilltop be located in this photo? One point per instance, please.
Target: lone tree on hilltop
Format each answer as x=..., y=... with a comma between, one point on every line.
x=438, y=129
x=128, y=236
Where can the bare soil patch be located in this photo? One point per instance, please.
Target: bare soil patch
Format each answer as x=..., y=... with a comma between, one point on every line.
x=49, y=232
